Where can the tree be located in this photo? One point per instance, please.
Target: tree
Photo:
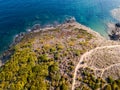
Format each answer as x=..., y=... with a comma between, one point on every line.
x=107, y=87
x=64, y=87
x=110, y=79
x=43, y=58
x=114, y=86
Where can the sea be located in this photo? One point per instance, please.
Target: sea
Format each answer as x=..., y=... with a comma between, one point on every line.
x=19, y=15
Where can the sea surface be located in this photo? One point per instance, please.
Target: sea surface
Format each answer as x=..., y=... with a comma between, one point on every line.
x=18, y=15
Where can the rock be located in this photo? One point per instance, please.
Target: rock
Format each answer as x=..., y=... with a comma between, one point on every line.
x=18, y=38
x=70, y=20
x=35, y=27
x=117, y=25
x=114, y=37
x=115, y=32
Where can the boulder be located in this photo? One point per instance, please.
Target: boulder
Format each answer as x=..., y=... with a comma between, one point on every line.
x=117, y=25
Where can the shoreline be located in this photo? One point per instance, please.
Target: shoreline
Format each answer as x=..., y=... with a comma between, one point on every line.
x=19, y=36
x=7, y=53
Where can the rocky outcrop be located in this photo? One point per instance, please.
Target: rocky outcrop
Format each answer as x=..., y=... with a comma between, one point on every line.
x=114, y=31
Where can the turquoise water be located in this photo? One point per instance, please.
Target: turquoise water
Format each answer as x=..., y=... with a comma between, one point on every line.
x=18, y=15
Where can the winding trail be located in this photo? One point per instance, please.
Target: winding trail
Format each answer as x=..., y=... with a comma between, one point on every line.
x=82, y=59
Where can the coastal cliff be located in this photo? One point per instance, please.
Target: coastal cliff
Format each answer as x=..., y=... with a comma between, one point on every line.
x=68, y=56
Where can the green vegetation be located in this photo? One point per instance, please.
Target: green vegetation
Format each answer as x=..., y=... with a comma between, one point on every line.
x=112, y=84
x=45, y=61
x=91, y=82
x=84, y=34
x=26, y=70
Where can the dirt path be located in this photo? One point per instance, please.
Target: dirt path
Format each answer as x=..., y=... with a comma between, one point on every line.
x=84, y=65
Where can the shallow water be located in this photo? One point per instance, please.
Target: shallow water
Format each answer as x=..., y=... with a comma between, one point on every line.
x=18, y=15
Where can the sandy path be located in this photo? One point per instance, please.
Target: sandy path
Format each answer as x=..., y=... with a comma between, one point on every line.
x=82, y=59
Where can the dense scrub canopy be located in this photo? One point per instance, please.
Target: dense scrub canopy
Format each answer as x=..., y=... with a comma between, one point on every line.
x=25, y=70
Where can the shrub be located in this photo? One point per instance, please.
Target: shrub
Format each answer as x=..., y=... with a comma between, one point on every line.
x=64, y=87
x=59, y=47
x=52, y=49
x=77, y=52
x=56, y=56
x=107, y=87
x=110, y=79
x=43, y=58
x=114, y=86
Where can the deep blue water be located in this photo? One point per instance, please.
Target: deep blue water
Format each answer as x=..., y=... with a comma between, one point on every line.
x=18, y=15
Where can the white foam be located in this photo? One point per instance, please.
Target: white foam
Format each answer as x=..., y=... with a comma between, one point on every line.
x=116, y=13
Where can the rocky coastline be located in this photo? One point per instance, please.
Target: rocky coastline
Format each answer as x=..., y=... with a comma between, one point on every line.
x=37, y=28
